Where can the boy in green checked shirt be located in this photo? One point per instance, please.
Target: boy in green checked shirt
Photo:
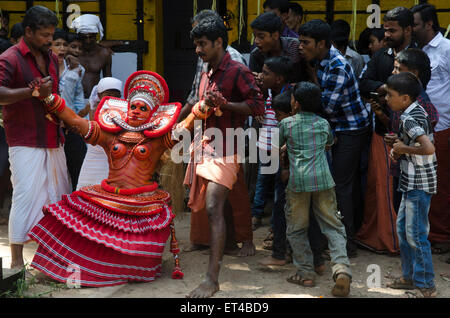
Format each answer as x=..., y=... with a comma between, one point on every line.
x=306, y=136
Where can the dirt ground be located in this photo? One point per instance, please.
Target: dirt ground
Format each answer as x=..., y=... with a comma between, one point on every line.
x=239, y=277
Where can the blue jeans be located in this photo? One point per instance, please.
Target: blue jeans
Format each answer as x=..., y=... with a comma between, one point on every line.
x=297, y=220
x=412, y=230
x=278, y=220
x=264, y=184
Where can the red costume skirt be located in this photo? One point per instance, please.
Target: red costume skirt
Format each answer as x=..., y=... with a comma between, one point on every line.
x=95, y=238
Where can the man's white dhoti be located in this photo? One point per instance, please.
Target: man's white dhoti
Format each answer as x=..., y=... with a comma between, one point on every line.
x=95, y=167
x=39, y=177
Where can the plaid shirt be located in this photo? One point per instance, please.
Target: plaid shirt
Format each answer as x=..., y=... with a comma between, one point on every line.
x=203, y=67
x=237, y=84
x=306, y=136
x=417, y=172
x=426, y=104
x=342, y=104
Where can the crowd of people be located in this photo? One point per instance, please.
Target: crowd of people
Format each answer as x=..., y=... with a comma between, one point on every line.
x=362, y=131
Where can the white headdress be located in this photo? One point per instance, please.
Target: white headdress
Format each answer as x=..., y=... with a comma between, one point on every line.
x=88, y=23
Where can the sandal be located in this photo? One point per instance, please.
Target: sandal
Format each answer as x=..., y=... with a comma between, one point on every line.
x=268, y=245
x=428, y=292
x=401, y=283
x=423, y=293
x=342, y=285
x=300, y=280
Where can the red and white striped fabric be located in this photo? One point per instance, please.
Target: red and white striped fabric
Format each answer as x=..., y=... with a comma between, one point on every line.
x=270, y=122
x=108, y=248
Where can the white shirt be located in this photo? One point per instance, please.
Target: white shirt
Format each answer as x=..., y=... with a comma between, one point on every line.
x=438, y=89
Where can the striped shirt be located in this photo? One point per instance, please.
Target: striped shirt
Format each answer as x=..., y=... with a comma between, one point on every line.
x=306, y=136
x=417, y=172
x=269, y=123
x=341, y=100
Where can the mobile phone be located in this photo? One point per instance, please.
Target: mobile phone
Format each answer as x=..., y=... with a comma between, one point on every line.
x=375, y=96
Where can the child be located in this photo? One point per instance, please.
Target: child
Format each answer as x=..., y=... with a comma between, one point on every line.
x=310, y=183
x=95, y=165
x=71, y=90
x=274, y=79
x=281, y=109
x=59, y=48
x=418, y=182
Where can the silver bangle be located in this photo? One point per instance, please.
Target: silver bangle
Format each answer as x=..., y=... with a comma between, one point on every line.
x=89, y=133
x=49, y=99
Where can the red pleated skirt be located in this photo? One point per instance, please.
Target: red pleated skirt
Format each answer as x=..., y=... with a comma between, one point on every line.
x=89, y=244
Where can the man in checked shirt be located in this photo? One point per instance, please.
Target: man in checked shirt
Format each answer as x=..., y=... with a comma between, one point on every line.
x=343, y=108
x=231, y=87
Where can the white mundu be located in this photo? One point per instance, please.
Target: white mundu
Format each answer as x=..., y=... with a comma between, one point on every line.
x=39, y=177
x=95, y=167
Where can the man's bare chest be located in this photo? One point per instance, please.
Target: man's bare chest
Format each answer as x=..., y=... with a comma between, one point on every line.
x=92, y=63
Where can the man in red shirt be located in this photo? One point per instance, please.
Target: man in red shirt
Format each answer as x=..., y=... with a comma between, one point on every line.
x=36, y=156
x=231, y=87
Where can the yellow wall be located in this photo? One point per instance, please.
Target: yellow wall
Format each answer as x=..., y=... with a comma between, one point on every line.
x=154, y=34
x=121, y=13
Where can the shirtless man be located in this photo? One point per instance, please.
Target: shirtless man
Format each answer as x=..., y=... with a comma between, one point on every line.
x=94, y=57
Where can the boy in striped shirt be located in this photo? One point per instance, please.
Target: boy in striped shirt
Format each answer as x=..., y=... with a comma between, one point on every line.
x=418, y=182
x=275, y=80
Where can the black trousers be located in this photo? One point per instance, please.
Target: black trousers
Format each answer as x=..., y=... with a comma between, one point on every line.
x=346, y=173
x=75, y=150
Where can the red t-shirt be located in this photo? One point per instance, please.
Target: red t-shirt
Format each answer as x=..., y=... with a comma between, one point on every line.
x=25, y=122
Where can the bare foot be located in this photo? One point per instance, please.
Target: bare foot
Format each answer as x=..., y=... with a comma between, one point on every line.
x=205, y=290
x=247, y=249
x=271, y=261
x=194, y=247
x=18, y=265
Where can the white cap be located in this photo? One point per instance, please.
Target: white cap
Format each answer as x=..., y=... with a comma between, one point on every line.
x=109, y=83
x=88, y=23
x=103, y=85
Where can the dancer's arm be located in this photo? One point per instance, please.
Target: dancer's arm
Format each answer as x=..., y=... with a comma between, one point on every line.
x=89, y=130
